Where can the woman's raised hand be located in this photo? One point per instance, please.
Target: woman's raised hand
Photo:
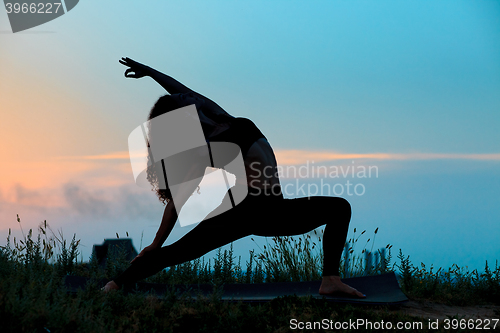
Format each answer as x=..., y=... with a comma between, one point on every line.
x=136, y=70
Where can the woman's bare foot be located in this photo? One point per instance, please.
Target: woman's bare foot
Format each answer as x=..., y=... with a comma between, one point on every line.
x=333, y=286
x=111, y=285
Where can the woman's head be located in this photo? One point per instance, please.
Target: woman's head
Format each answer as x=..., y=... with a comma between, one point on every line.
x=163, y=105
x=168, y=103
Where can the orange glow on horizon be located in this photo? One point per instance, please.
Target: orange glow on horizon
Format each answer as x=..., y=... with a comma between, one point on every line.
x=294, y=157
x=113, y=169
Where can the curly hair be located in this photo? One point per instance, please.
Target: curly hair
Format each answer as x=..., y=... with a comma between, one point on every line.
x=163, y=105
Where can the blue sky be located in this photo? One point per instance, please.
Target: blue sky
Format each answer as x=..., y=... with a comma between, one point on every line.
x=404, y=78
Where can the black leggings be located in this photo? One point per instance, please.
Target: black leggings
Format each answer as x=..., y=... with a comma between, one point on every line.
x=261, y=216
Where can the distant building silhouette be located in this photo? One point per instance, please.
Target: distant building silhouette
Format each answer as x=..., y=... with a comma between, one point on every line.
x=114, y=248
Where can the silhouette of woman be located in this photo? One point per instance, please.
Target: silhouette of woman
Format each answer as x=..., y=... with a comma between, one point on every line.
x=264, y=212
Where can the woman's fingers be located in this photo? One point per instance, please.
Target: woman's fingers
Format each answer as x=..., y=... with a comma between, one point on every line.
x=133, y=73
x=135, y=69
x=128, y=62
x=128, y=71
x=125, y=61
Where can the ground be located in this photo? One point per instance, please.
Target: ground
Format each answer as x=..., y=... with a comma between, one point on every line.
x=431, y=310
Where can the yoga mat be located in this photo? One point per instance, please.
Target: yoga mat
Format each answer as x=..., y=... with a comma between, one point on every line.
x=379, y=290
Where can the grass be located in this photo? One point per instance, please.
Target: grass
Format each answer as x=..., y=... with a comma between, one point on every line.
x=33, y=298
x=454, y=286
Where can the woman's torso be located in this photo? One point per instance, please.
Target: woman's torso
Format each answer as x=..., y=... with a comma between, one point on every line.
x=258, y=156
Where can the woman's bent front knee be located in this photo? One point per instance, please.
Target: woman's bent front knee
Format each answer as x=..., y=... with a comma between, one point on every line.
x=345, y=207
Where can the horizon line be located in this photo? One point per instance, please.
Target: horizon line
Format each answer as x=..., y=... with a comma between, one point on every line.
x=297, y=156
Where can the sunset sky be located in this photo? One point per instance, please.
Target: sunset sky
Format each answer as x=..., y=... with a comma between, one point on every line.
x=411, y=87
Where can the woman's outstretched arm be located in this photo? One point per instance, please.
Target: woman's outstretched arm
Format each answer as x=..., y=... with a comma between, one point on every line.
x=172, y=86
x=179, y=197
x=166, y=226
